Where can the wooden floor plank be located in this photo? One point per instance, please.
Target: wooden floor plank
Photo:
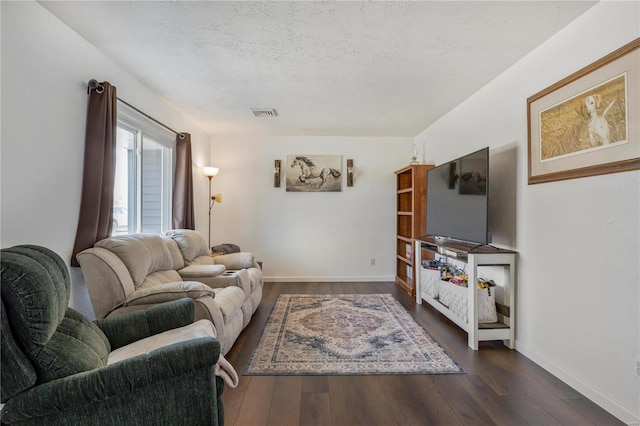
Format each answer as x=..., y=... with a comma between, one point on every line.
x=501, y=414
x=415, y=400
x=526, y=408
x=558, y=408
x=286, y=402
x=460, y=400
x=315, y=384
x=359, y=400
x=256, y=402
x=315, y=409
x=232, y=399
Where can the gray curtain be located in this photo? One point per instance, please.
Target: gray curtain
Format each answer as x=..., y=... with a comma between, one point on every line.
x=183, y=210
x=96, y=205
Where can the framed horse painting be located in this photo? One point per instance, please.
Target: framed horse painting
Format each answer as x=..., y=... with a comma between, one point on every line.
x=314, y=173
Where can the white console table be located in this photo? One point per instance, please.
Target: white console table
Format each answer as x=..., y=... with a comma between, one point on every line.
x=474, y=257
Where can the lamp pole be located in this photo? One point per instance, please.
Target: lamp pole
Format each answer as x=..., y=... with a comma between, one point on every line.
x=210, y=206
x=210, y=172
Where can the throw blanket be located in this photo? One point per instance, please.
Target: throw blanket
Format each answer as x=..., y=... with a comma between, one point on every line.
x=225, y=370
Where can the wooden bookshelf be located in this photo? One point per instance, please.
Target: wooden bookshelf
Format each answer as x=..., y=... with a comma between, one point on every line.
x=411, y=195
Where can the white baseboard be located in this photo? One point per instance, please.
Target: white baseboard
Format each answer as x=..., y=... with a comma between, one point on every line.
x=620, y=412
x=290, y=279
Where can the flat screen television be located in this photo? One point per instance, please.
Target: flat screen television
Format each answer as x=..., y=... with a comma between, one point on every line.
x=458, y=199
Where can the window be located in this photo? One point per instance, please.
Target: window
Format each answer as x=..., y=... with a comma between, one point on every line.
x=144, y=174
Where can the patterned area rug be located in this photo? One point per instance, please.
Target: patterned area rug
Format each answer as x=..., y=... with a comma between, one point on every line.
x=345, y=334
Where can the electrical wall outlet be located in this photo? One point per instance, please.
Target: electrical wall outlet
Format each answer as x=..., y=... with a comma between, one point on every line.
x=372, y=262
x=637, y=368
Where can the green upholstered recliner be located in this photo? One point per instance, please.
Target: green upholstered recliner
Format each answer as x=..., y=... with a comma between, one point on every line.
x=55, y=362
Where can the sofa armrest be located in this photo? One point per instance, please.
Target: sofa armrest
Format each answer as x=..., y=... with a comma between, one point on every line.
x=196, y=271
x=116, y=385
x=107, y=277
x=235, y=261
x=133, y=326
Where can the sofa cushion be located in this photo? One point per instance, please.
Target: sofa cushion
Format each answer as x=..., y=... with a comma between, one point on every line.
x=35, y=314
x=229, y=300
x=57, y=340
x=191, y=243
x=159, y=278
x=168, y=292
x=77, y=345
x=202, y=260
x=143, y=254
x=17, y=373
x=176, y=254
x=255, y=278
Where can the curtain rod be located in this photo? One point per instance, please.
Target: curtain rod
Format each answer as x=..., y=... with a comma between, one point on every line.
x=99, y=88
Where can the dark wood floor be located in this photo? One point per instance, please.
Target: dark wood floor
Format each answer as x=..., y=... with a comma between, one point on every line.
x=501, y=387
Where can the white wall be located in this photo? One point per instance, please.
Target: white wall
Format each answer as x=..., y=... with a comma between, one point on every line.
x=325, y=236
x=578, y=240
x=45, y=70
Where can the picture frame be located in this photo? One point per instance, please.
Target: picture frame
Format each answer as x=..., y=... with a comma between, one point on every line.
x=313, y=173
x=588, y=123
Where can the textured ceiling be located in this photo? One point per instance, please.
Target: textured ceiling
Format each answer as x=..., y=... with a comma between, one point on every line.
x=328, y=68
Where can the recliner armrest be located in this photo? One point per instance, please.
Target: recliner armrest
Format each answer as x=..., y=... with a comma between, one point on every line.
x=133, y=326
x=116, y=381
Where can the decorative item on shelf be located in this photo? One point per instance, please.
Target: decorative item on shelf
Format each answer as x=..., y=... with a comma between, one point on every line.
x=350, y=172
x=276, y=174
x=210, y=172
x=414, y=154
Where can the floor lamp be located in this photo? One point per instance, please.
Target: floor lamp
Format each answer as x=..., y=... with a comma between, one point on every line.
x=210, y=172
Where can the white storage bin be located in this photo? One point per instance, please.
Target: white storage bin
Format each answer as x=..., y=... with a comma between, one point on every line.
x=430, y=281
x=455, y=298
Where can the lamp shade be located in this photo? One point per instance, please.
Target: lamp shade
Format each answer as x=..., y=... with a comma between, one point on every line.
x=210, y=171
x=217, y=198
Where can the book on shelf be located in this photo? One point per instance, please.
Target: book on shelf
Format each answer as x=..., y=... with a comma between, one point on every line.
x=409, y=251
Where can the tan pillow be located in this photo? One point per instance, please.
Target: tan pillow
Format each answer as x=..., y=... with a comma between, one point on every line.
x=242, y=260
x=168, y=292
x=142, y=254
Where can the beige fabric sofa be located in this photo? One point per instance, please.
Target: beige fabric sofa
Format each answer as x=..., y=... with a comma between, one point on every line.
x=131, y=272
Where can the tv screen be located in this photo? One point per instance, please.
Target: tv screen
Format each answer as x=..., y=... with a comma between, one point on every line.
x=458, y=199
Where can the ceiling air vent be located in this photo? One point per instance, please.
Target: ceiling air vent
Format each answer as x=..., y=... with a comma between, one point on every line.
x=264, y=112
